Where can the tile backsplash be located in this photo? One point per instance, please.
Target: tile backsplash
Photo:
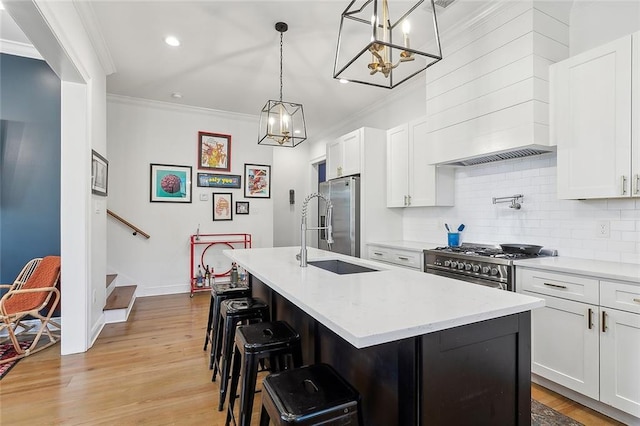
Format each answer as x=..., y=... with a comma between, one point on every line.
x=570, y=226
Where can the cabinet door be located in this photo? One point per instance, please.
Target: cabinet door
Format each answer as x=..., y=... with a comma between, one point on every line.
x=397, y=163
x=351, y=151
x=620, y=360
x=428, y=184
x=564, y=344
x=591, y=122
x=334, y=159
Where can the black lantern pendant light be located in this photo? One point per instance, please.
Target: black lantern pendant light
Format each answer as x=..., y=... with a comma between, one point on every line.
x=282, y=123
x=386, y=42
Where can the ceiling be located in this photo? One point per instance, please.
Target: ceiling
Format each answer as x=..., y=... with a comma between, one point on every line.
x=229, y=54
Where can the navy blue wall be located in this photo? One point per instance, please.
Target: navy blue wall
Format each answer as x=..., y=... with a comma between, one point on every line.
x=29, y=163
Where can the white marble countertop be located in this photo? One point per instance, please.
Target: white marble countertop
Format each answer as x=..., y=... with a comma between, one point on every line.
x=594, y=268
x=407, y=245
x=371, y=308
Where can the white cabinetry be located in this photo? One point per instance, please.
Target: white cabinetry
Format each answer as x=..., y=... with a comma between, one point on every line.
x=362, y=152
x=564, y=338
x=587, y=337
x=411, y=259
x=620, y=346
x=343, y=155
x=411, y=181
x=598, y=141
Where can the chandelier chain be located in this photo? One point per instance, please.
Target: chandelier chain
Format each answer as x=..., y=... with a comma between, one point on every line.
x=280, y=67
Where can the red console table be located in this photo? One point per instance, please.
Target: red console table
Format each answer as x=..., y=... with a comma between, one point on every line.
x=201, y=243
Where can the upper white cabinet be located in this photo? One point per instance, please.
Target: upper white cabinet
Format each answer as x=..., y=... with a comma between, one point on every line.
x=343, y=155
x=362, y=152
x=411, y=181
x=593, y=95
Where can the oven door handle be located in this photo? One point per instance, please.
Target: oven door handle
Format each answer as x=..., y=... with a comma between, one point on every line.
x=467, y=278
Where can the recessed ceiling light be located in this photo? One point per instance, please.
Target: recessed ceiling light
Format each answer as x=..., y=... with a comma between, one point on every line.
x=176, y=95
x=344, y=81
x=172, y=41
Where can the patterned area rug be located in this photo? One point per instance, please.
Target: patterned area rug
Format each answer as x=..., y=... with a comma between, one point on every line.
x=541, y=415
x=8, y=351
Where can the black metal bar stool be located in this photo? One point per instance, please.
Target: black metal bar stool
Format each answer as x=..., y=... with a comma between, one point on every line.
x=276, y=341
x=310, y=395
x=219, y=293
x=233, y=312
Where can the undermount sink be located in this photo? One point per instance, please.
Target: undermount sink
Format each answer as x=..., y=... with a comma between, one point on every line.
x=340, y=267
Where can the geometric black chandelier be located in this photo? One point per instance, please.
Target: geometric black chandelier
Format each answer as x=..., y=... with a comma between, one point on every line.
x=386, y=42
x=282, y=123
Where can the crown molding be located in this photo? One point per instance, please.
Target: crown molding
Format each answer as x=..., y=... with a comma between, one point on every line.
x=19, y=49
x=169, y=106
x=91, y=26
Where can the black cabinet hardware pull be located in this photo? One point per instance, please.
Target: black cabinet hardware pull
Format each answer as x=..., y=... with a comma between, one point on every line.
x=556, y=285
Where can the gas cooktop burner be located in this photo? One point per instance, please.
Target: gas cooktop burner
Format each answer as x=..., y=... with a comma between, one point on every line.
x=495, y=252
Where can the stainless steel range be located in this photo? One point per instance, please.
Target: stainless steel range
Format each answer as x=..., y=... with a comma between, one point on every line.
x=477, y=263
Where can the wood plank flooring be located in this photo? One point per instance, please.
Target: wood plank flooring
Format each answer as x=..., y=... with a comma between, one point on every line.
x=150, y=370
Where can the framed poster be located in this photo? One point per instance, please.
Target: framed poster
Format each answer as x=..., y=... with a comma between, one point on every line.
x=212, y=180
x=214, y=151
x=222, y=203
x=242, y=207
x=99, y=174
x=170, y=184
x=257, y=181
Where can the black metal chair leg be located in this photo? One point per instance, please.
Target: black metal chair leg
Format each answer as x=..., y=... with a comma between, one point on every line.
x=229, y=332
x=233, y=388
x=249, y=375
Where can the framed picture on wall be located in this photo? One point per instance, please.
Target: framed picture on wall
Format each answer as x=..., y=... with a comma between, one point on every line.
x=257, y=181
x=99, y=174
x=214, y=151
x=222, y=206
x=170, y=184
x=242, y=207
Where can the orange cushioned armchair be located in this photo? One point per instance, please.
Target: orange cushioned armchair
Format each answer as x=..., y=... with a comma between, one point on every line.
x=32, y=292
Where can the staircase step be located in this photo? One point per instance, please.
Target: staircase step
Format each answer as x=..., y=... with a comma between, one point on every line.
x=120, y=297
x=110, y=278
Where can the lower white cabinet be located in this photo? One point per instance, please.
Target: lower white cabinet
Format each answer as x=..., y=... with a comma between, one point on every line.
x=590, y=345
x=620, y=360
x=411, y=259
x=564, y=345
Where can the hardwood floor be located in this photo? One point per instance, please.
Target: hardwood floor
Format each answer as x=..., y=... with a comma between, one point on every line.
x=150, y=370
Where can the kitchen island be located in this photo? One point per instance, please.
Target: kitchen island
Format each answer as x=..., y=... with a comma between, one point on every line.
x=421, y=349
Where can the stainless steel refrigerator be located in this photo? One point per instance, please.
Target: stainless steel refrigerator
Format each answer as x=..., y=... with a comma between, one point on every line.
x=344, y=194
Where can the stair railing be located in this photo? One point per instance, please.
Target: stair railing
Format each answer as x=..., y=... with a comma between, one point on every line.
x=136, y=230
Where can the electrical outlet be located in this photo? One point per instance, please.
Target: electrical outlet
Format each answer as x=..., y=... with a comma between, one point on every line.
x=602, y=229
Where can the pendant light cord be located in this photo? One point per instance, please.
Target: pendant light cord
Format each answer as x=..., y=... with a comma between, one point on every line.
x=281, y=67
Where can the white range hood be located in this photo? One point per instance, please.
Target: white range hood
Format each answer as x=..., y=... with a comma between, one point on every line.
x=488, y=98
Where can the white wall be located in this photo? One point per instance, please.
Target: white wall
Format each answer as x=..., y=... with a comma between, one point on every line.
x=143, y=132
x=594, y=23
x=289, y=164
